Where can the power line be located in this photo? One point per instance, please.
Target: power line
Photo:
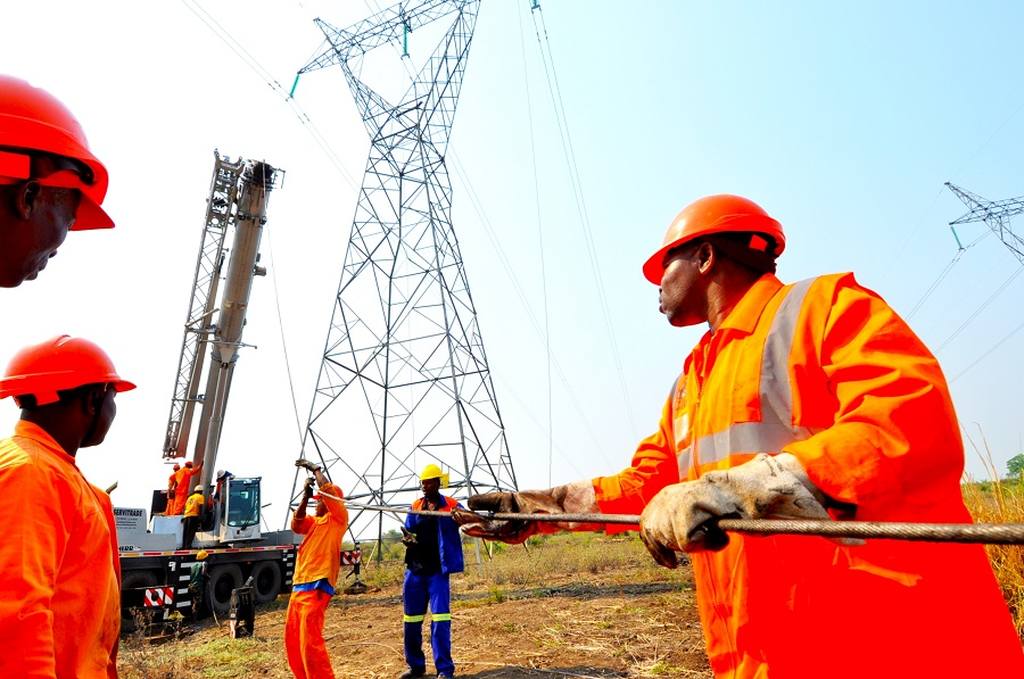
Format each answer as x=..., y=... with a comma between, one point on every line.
x=267, y=77
x=985, y=355
x=554, y=90
x=981, y=308
x=942, y=274
x=540, y=236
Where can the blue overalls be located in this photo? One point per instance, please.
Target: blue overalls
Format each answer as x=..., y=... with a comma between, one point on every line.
x=437, y=554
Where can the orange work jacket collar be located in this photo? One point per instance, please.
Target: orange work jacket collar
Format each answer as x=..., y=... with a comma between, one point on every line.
x=31, y=430
x=741, y=320
x=747, y=312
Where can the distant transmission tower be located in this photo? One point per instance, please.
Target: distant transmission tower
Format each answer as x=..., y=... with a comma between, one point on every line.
x=995, y=214
x=404, y=379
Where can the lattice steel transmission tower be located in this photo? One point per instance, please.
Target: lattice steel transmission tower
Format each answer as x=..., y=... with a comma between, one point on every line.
x=996, y=214
x=404, y=379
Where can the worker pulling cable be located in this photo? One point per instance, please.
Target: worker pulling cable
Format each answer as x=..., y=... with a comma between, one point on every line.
x=972, y=533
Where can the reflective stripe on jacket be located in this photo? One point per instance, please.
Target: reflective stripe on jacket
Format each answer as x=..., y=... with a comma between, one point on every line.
x=319, y=555
x=825, y=369
x=449, y=540
x=60, y=602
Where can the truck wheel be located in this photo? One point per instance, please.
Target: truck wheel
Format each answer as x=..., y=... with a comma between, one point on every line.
x=223, y=579
x=131, y=616
x=266, y=578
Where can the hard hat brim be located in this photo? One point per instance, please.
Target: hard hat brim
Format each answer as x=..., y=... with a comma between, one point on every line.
x=91, y=216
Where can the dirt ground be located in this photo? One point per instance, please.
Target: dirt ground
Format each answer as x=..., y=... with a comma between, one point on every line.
x=608, y=620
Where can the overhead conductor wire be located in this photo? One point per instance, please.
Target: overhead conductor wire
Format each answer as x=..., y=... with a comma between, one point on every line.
x=540, y=240
x=547, y=58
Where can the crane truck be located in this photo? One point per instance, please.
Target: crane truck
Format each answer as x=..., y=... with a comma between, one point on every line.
x=155, y=568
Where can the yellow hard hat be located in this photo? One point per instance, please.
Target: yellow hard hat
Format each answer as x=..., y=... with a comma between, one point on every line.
x=432, y=471
x=202, y=554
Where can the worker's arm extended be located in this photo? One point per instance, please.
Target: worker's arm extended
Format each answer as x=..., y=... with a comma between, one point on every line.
x=893, y=425
x=653, y=467
x=35, y=538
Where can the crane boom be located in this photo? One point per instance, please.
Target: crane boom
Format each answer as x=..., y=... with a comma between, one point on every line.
x=220, y=216
x=257, y=180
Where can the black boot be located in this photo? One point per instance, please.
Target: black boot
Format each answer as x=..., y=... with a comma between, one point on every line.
x=412, y=674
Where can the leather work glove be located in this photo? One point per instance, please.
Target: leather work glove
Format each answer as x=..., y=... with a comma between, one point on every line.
x=575, y=497
x=308, y=465
x=683, y=517
x=307, y=489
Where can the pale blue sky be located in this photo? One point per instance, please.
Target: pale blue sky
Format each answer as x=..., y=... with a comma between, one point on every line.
x=842, y=120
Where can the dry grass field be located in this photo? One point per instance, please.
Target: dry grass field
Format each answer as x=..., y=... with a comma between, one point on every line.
x=583, y=606
x=573, y=606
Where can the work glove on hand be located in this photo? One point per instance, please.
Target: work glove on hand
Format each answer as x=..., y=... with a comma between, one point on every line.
x=683, y=517
x=307, y=489
x=308, y=465
x=577, y=497
x=513, y=532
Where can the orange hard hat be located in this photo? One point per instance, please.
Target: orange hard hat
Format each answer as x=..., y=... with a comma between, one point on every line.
x=722, y=213
x=61, y=363
x=34, y=120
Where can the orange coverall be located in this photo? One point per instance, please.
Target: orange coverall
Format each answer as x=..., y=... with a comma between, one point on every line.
x=185, y=487
x=319, y=558
x=60, y=604
x=825, y=369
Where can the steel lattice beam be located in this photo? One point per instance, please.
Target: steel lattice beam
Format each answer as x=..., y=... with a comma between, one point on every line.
x=404, y=379
x=996, y=214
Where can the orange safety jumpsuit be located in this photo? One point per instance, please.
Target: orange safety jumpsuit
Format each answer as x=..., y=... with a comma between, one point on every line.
x=185, y=486
x=60, y=610
x=825, y=369
x=316, y=574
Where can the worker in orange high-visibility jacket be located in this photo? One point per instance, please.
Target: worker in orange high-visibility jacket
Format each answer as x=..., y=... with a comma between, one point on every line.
x=50, y=182
x=172, y=485
x=60, y=610
x=805, y=400
x=316, y=576
x=186, y=479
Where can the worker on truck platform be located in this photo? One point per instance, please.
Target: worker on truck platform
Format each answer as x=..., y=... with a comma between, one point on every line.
x=193, y=511
x=316, y=575
x=806, y=400
x=50, y=182
x=172, y=485
x=184, y=476
x=60, y=600
x=433, y=553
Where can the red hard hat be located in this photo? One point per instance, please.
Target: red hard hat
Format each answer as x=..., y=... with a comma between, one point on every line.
x=722, y=213
x=61, y=363
x=33, y=119
x=177, y=466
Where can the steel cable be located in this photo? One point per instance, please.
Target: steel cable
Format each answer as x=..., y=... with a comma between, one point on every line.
x=975, y=533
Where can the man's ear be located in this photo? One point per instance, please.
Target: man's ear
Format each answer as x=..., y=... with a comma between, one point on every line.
x=92, y=401
x=26, y=198
x=707, y=257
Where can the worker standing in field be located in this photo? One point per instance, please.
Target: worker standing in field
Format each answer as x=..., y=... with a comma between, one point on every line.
x=197, y=580
x=316, y=575
x=193, y=512
x=60, y=603
x=50, y=182
x=806, y=400
x=433, y=553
